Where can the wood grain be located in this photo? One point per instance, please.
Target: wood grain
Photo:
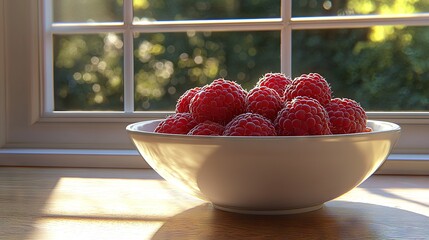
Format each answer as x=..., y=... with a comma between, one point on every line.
x=59, y=203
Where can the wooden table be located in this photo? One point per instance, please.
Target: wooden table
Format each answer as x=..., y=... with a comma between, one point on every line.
x=56, y=203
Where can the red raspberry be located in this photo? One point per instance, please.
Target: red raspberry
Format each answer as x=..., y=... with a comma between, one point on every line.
x=265, y=101
x=250, y=124
x=346, y=116
x=302, y=116
x=219, y=102
x=178, y=123
x=207, y=128
x=311, y=85
x=276, y=81
x=184, y=100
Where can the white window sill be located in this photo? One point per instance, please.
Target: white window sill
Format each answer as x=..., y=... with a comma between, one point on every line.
x=404, y=164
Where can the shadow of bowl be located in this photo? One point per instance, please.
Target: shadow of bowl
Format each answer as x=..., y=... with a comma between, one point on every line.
x=336, y=220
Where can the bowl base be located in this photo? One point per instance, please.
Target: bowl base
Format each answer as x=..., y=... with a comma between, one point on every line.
x=268, y=212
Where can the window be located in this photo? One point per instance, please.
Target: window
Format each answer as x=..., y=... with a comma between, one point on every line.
x=65, y=108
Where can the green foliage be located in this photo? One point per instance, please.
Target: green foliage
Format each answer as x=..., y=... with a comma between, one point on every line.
x=161, y=10
x=167, y=64
x=88, y=72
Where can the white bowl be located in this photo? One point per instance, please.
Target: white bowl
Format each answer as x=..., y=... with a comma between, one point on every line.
x=266, y=175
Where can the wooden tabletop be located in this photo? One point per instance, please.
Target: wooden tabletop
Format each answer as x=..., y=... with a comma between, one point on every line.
x=56, y=203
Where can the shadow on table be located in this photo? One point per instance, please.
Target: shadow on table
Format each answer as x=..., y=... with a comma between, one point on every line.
x=336, y=220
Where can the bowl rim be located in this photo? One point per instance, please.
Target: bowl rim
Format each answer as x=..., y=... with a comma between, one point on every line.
x=132, y=128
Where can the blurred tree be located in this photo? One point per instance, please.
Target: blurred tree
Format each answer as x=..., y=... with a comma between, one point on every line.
x=88, y=72
x=161, y=10
x=167, y=64
x=382, y=67
x=87, y=11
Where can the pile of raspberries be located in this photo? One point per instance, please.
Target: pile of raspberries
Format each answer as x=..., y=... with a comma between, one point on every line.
x=276, y=106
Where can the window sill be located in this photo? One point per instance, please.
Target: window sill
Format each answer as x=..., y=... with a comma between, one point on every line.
x=405, y=164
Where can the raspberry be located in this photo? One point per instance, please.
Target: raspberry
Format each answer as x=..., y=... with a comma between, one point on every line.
x=311, y=85
x=250, y=124
x=346, y=116
x=184, y=100
x=302, y=116
x=207, y=128
x=264, y=101
x=218, y=102
x=178, y=123
x=276, y=81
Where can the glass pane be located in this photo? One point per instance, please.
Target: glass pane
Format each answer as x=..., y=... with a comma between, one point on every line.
x=167, y=64
x=158, y=10
x=88, y=72
x=88, y=11
x=383, y=67
x=304, y=8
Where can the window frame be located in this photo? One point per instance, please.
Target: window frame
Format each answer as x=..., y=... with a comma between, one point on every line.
x=2, y=77
x=34, y=135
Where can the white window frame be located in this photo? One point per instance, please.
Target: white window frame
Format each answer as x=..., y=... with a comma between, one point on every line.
x=32, y=134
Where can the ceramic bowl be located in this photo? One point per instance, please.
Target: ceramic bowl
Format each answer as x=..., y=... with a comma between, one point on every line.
x=265, y=175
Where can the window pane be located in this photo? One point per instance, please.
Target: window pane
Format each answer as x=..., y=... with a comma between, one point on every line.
x=88, y=72
x=167, y=64
x=158, y=10
x=88, y=11
x=383, y=67
x=303, y=8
